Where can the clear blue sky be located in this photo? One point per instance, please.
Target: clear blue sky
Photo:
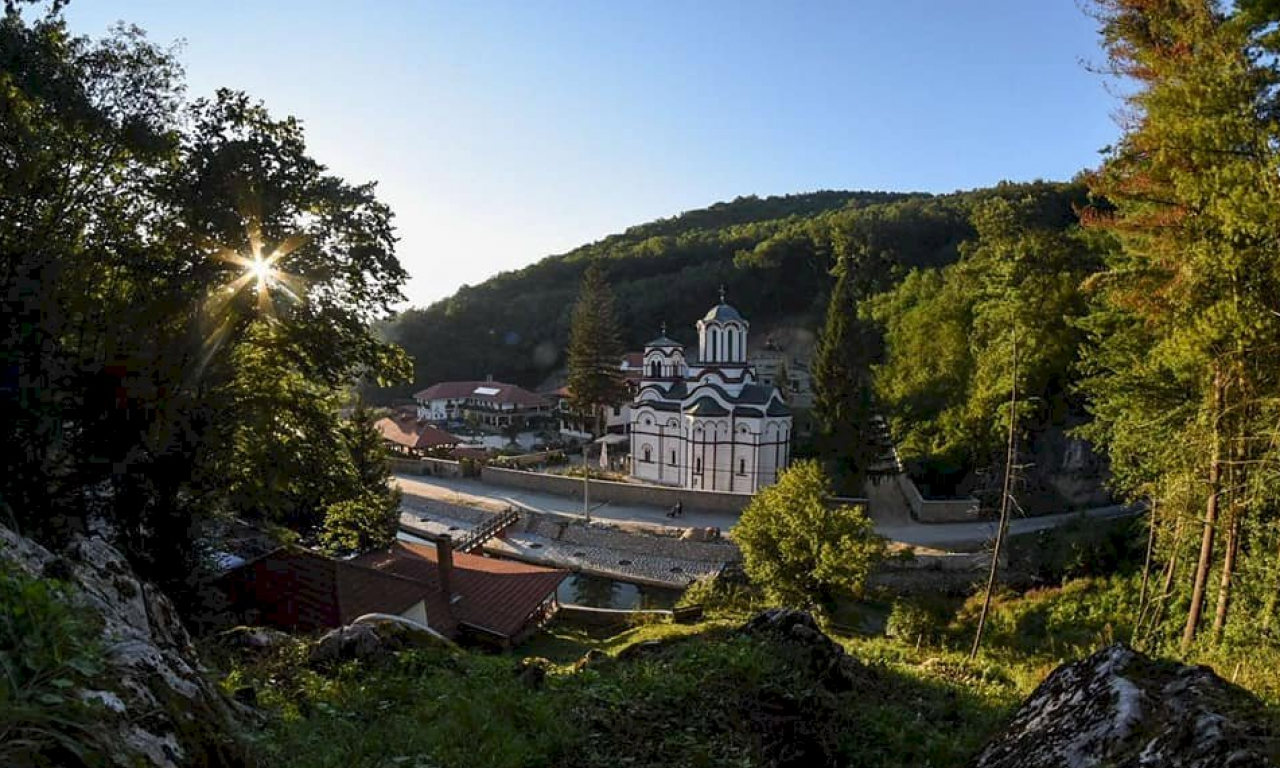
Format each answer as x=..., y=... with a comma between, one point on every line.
x=501, y=133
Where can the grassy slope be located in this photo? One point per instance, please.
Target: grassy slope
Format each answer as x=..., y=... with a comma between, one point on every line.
x=710, y=698
x=706, y=697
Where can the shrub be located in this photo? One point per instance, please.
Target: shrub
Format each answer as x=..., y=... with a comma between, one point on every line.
x=799, y=550
x=48, y=651
x=361, y=524
x=921, y=619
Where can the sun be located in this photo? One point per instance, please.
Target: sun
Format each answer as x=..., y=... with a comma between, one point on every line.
x=263, y=271
x=261, y=267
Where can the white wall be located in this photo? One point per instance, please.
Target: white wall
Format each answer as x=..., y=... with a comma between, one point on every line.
x=417, y=612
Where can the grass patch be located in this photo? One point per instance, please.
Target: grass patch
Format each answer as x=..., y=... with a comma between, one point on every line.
x=705, y=696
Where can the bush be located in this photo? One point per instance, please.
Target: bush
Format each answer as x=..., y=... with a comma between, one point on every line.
x=799, y=550
x=922, y=620
x=728, y=594
x=361, y=524
x=49, y=650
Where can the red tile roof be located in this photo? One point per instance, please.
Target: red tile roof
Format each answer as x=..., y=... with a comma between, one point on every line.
x=411, y=433
x=633, y=359
x=495, y=595
x=298, y=590
x=485, y=391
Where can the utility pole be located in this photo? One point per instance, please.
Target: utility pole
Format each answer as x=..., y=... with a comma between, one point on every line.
x=586, y=471
x=1003, y=527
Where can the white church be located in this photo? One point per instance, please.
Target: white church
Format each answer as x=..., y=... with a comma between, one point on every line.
x=706, y=423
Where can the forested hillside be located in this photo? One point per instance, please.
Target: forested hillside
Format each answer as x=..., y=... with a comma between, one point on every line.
x=773, y=255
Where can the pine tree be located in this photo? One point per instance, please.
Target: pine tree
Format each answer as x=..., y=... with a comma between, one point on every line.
x=842, y=387
x=1182, y=381
x=595, y=349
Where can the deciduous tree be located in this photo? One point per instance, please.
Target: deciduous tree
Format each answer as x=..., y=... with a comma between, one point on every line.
x=798, y=548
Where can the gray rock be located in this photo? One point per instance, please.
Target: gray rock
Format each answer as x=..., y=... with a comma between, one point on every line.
x=157, y=706
x=254, y=639
x=357, y=641
x=1120, y=709
x=532, y=671
x=798, y=632
x=372, y=639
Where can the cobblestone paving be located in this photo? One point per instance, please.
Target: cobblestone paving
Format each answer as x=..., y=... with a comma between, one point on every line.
x=597, y=549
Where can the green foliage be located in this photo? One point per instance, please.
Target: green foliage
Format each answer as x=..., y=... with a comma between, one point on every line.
x=48, y=653
x=1069, y=622
x=754, y=701
x=949, y=334
x=595, y=380
x=774, y=256
x=1179, y=360
x=360, y=524
x=920, y=620
x=800, y=550
x=842, y=408
x=145, y=380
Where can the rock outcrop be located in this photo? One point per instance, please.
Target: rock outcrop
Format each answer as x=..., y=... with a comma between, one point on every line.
x=823, y=657
x=371, y=640
x=1120, y=709
x=158, y=708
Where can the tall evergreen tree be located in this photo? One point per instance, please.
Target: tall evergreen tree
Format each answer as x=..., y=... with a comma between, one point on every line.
x=1182, y=368
x=595, y=349
x=842, y=386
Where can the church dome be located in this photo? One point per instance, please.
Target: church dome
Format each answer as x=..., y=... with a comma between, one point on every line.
x=662, y=342
x=721, y=313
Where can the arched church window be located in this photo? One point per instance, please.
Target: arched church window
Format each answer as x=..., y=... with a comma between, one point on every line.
x=733, y=345
x=648, y=454
x=697, y=466
x=742, y=466
x=673, y=458
x=714, y=337
x=655, y=369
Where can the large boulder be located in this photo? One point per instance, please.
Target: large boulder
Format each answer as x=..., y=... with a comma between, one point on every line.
x=1120, y=709
x=157, y=706
x=371, y=640
x=798, y=633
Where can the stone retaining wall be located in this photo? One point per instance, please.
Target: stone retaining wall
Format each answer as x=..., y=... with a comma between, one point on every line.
x=936, y=510
x=427, y=466
x=618, y=493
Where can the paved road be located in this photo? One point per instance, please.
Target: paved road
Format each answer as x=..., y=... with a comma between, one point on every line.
x=956, y=537
x=473, y=492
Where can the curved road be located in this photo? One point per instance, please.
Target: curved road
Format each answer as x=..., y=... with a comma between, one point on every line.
x=956, y=537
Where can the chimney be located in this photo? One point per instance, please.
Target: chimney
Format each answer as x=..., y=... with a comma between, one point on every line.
x=444, y=563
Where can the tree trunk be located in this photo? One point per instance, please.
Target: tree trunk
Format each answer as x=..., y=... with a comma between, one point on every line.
x=1210, y=519
x=1228, y=567
x=1272, y=598
x=1004, y=508
x=1146, y=571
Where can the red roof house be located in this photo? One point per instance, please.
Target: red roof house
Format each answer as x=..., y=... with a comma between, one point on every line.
x=409, y=435
x=297, y=590
x=458, y=595
x=498, y=600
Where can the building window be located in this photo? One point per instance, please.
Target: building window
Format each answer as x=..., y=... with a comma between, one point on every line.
x=715, y=342
x=742, y=466
x=617, y=410
x=673, y=458
x=733, y=345
x=697, y=466
x=655, y=370
x=648, y=455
